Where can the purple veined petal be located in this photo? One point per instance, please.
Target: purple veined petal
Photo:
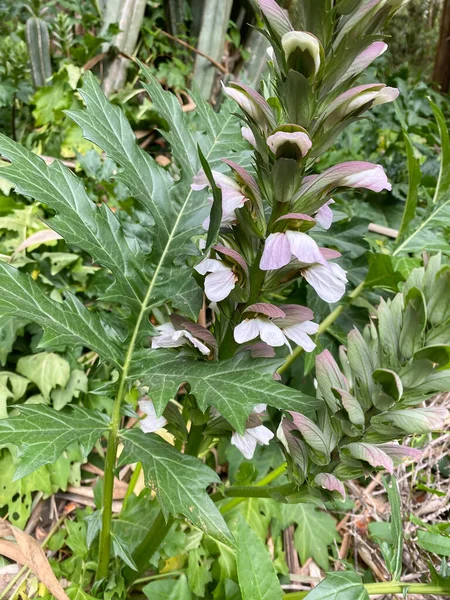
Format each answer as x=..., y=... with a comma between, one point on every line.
x=307, y=42
x=246, y=444
x=371, y=454
x=365, y=58
x=248, y=136
x=295, y=217
x=297, y=138
x=324, y=216
x=233, y=255
x=243, y=101
x=276, y=16
x=364, y=8
x=246, y=331
x=277, y=252
x=197, y=343
x=349, y=174
x=400, y=453
x=269, y=310
x=328, y=285
x=231, y=200
x=261, y=434
x=259, y=408
x=260, y=350
x=295, y=314
x=248, y=179
x=200, y=181
x=304, y=248
x=251, y=103
x=151, y=422
x=352, y=95
x=219, y=284
x=330, y=482
x=271, y=334
x=200, y=333
x=329, y=253
x=372, y=177
x=387, y=94
x=299, y=334
x=210, y=265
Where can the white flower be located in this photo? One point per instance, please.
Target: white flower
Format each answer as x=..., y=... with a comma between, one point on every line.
x=151, y=422
x=276, y=335
x=324, y=216
x=248, y=135
x=280, y=247
x=232, y=196
x=275, y=325
x=220, y=280
x=327, y=280
x=252, y=436
x=169, y=337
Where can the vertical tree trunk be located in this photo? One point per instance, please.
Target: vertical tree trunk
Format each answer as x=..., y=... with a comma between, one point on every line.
x=441, y=72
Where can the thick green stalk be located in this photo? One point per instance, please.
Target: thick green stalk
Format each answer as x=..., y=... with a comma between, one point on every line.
x=237, y=500
x=194, y=441
x=105, y=534
x=326, y=323
x=391, y=587
x=108, y=484
x=149, y=545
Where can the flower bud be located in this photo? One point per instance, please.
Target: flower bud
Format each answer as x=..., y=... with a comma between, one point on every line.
x=252, y=103
x=275, y=16
x=289, y=141
x=357, y=100
x=302, y=51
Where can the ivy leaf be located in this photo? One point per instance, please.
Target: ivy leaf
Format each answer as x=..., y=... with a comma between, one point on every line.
x=434, y=542
x=256, y=573
x=122, y=550
x=65, y=323
x=41, y=434
x=315, y=531
x=179, y=481
x=234, y=387
x=168, y=589
x=46, y=369
x=77, y=383
x=345, y=585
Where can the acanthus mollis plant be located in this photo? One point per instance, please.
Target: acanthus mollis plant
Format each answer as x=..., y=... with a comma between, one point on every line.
x=377, y=395
x=239, y=247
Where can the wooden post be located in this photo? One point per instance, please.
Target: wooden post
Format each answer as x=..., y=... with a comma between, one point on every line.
x=441, y=72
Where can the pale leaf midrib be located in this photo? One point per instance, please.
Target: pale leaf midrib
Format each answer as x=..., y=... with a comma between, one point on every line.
x=144, y=304
x=421, y=227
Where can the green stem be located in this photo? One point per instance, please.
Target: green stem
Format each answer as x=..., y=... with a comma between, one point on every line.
x=390, y=587
x=108, y=486
x=194, y=441
x=131, y=486
x=324, y=326
x=237, y=500
x=149, y=545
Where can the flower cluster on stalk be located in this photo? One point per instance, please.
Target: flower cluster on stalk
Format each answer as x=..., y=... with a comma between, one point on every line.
x=265, y=239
